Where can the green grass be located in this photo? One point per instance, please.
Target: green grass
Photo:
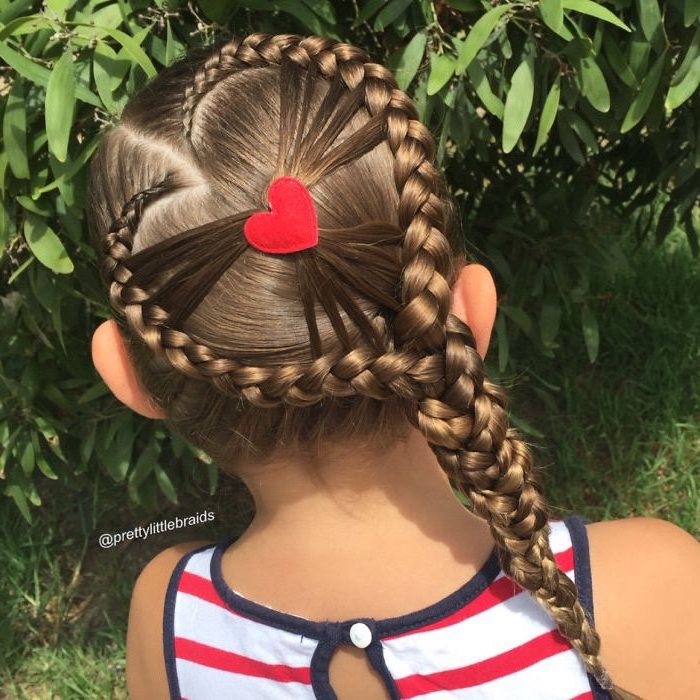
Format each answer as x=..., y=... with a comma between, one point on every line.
x=622, y=435
x=65, y=600
x=622, y=438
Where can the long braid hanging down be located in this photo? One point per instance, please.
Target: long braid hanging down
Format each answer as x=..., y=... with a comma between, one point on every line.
x=432, y=363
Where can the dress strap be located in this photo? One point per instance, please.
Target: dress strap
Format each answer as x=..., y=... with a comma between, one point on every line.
x=169, y=621
x=576, y=524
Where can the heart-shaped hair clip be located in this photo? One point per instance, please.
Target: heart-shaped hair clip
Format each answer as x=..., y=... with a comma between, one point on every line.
x=290, y=225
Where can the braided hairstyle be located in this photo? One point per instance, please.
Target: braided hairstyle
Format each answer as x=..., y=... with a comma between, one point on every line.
x=246, y=351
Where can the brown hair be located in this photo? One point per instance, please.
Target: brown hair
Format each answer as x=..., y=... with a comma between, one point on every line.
x=247, y=351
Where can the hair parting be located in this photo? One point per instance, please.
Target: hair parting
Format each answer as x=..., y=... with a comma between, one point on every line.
x=380, y=345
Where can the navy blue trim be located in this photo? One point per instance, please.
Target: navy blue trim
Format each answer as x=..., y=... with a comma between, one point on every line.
x=169, y=623
x=385, y=628
x=375, y=654
x=335, y=635
x=320, y=663
x=576, y=525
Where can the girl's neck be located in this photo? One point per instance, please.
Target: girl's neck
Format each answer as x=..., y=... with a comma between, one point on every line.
x=359, y=499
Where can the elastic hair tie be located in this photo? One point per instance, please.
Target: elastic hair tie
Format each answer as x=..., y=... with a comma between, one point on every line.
x=290, y=225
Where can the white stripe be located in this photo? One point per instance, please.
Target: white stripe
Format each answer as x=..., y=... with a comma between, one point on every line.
x=215, y=626
x=200, y=563
x=559, y=538
x=202, y=683
x=478, y=638
x=558, y=677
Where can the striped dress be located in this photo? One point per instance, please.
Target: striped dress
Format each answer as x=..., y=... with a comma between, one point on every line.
x=489, y=640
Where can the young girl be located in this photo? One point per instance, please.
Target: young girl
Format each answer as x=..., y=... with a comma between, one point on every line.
x=297, y=303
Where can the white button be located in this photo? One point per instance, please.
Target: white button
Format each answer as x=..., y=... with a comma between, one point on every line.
x=360, y=635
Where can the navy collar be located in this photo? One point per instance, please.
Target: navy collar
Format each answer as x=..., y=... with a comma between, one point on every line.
x=383, y=628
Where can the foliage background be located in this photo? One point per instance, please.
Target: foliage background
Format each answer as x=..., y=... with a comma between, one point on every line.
x=545, y=114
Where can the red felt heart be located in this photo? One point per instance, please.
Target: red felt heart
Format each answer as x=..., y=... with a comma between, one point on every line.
x=291, y=224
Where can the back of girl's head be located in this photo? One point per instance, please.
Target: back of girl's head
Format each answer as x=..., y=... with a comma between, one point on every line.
x=250, y=352
x=260, y=351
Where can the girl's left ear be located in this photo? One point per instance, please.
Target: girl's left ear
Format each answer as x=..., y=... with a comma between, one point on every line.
x=114, y=366
x=474, y=301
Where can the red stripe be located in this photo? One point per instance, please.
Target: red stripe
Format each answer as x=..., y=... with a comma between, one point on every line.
x=212, y=657
x=588, y=695
x=201, y=588
x=498, y=591
x=508, y=662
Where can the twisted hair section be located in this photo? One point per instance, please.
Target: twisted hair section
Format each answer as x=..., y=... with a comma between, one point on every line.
x=375, y=297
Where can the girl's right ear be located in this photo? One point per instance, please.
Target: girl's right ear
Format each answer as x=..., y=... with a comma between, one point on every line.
x=114, y=366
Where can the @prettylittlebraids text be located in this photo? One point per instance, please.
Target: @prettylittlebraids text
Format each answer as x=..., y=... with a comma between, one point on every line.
x=141, y=532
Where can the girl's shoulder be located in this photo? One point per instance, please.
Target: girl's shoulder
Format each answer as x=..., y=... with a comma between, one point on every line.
x=645, y=574
x=145, y=662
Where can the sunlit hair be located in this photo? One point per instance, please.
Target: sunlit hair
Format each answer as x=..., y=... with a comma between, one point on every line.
x=249, y=353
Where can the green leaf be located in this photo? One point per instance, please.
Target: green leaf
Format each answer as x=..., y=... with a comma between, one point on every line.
x=519, y=317
x=618, y=62
x=130, y=46
x=685, y=79
x=581, y=129
x=550, y=318
x=11, y=9
x=368, y=9
x=59, y=6
x=60, y=103
x=145, y=464
x=14, y=130
x=518, y=103
x=524, y=427
x=39, y=75
x=68, y=170
x=46, y=245
x=324, y=9
x=87, y=444
x=170, y=47
x=595, y=89
x=650, y=20
x=692, y=232
x=479, y=35
x=549, y=113
x=409, y=60
x=17, y=495
x=552, y=12
x=691, y=11
x=94, y=392
x=114, y=449
x=691, y=54
x=390, y=13
x=568, y=140
x=679, y=93
x=24, y=25
x=666, y=222
x=26, y=459
x=641, y=102
x=301, y=13
x=166, y=486
x=442, y=68
x=591, y=334
x=588, y=7
x=481, y=84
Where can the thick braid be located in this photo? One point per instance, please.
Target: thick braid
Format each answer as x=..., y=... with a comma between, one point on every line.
x=491, y=466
